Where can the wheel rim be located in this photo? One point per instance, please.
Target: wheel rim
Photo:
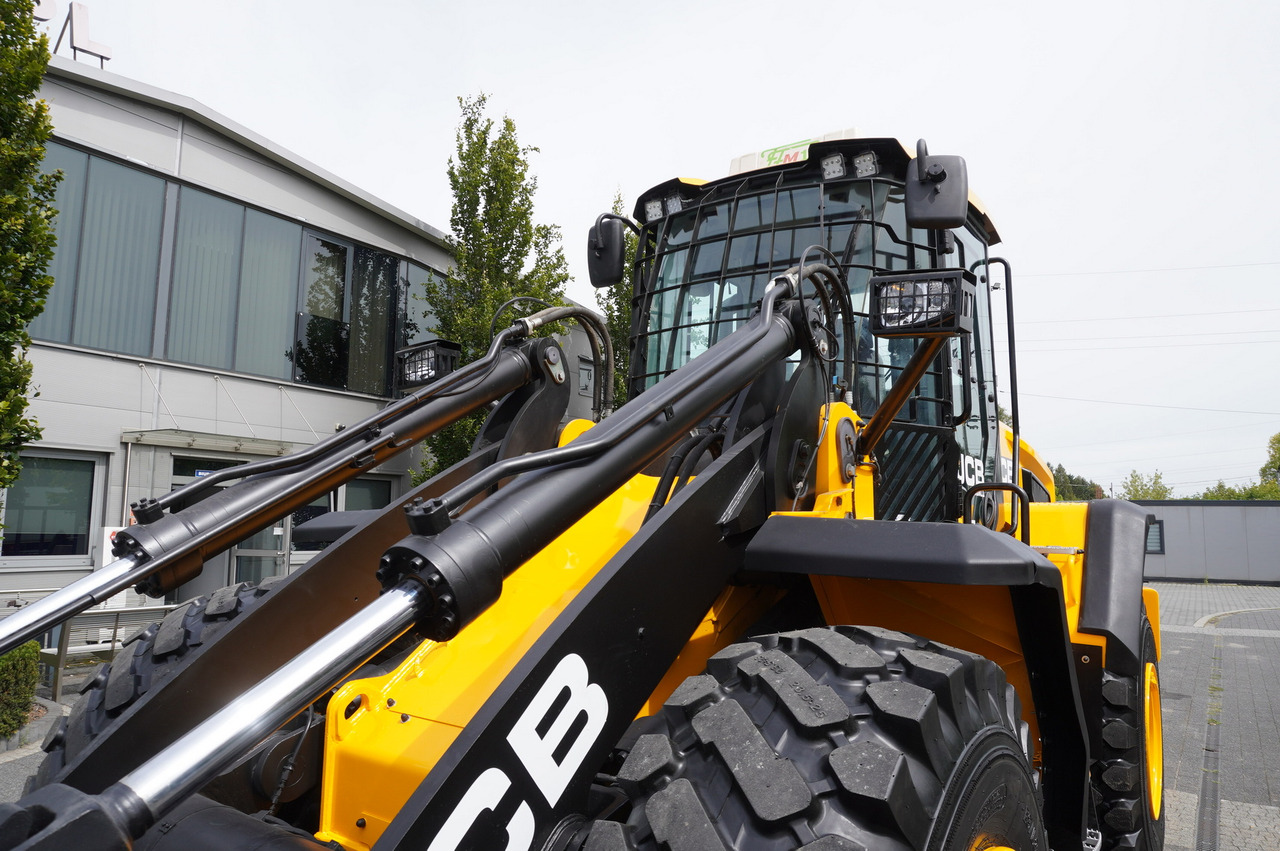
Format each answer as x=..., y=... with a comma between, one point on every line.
x=1155, y=740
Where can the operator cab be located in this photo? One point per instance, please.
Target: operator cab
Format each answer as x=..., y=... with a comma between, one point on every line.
x=707, y=252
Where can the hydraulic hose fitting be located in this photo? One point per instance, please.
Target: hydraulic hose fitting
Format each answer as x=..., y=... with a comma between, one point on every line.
x=427, y=517
x=146, y=510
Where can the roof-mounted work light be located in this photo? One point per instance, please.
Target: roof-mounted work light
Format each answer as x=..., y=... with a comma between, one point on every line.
x=938, y=303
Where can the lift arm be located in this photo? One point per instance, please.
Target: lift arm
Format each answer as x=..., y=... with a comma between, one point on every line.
x=165, y=550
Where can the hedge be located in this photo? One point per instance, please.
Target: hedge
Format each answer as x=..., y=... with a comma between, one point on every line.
x=19, y=673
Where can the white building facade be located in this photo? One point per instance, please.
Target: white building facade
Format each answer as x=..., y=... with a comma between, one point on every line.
x=216, y=301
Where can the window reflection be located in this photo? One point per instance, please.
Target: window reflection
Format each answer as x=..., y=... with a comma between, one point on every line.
x=319, y=352
x=373, y=290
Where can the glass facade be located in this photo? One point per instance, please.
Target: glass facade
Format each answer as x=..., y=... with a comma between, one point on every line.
x=239, y=289
x=108, y=257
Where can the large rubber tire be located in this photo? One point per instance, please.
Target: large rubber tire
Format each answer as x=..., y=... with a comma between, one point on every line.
x=829, y=739
x=1128, y=776
x=149, y=658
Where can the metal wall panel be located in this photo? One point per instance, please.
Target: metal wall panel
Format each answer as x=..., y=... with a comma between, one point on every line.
x=1218, y=541
x=128, y=129
x=1262, y=537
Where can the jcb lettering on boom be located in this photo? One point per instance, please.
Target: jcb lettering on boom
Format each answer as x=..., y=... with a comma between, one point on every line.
x=537, y=754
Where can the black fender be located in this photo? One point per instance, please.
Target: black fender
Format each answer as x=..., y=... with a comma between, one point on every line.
x=1111, y=599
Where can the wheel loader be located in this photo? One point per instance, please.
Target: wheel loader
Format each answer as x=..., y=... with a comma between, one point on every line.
x=802, y=590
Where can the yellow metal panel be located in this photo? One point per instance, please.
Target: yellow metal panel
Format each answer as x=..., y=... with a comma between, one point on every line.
x=837, y=495
x=1028, y=459
x=407, y=719
x=1061, y=525
x=1151, y=600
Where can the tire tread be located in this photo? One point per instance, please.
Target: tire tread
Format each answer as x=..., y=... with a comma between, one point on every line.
x=824, y=739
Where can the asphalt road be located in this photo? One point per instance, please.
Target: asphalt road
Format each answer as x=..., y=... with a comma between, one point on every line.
x=1220, y=678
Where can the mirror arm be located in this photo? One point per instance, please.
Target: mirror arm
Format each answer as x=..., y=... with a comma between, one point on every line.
x=595, y=231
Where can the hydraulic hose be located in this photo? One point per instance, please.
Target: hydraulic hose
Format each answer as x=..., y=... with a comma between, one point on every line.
x=601, y=346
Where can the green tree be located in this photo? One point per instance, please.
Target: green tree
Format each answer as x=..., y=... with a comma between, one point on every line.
x=1270, y=470
x=1268, y=486
x=499, y=252
x=1071, y=488
x=26, y=221
x=1253, y=490
x=615, y=303
x=1138, y=486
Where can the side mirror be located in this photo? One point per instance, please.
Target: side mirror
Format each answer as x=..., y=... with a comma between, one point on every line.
x=937, y=190
x=606, y=251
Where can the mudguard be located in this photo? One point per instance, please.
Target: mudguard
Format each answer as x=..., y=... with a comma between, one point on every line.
x=1115, y=555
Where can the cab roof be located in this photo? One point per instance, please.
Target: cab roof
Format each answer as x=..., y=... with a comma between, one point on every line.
x=892, y=157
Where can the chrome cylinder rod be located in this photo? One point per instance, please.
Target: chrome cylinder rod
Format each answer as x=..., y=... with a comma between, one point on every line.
x=48, y=612
x=210, y=747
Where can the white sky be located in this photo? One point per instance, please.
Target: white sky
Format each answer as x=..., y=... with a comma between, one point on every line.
x=1125, y=150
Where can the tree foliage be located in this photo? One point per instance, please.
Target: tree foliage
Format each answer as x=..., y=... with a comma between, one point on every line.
x=1270, y=470
x=1139, y=486
x=615, y=303
x=26, y=221
x=1071, y=488
x=499, y=252
x=1253, y=490
x=1268, y=486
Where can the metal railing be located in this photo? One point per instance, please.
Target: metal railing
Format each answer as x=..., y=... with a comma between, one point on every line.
x=122, y=623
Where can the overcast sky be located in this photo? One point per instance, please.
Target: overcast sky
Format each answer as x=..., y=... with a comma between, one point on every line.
x=1126, y=152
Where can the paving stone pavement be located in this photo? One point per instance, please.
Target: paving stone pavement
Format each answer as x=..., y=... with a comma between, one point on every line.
x=1220, y=667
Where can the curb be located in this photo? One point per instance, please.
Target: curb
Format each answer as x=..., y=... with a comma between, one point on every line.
x=34, y=733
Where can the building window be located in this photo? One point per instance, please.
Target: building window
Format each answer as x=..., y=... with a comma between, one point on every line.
x=268, y=294
x=366, y=494
x=345, y=328
x=1155, y=538
x=50, y=510
x=586, y=377
x=374, y=288
x=206, y=280
x=419, y=324
x=247, y=291
x=234, y=289
x=108, y=260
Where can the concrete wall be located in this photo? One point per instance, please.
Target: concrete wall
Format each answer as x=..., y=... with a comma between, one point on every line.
x=1217, y=540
